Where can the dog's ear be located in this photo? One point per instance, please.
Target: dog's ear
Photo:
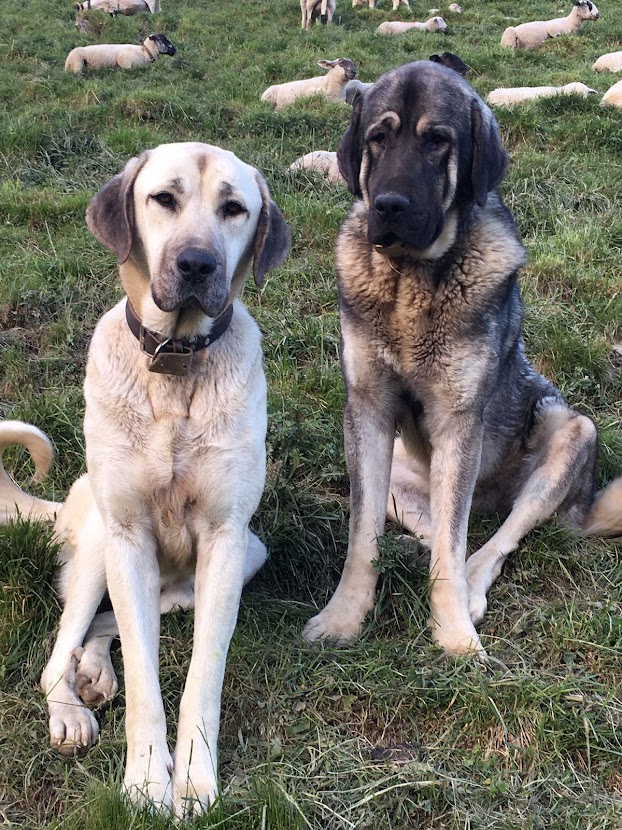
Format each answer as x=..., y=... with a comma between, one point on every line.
x=490, y=161
x=110, y=213
x=272, y=237
x=350, y=150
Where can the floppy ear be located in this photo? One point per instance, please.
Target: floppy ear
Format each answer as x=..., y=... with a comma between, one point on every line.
x=110, y=213
x=490, y=161
x=327, y=64
x=350, y=150
x=272, y=237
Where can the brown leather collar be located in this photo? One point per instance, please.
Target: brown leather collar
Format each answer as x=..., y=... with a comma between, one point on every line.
x=173, y=357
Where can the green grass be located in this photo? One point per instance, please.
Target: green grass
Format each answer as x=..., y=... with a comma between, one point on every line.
x=533, y=742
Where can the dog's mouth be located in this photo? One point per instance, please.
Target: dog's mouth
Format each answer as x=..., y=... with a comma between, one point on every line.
x=409, y=237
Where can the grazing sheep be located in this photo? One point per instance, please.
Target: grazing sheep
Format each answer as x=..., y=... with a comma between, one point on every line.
x=613, y=96
x=115, y=7
x=353, y=88
x=451, y=61
x=332, y=85
x=531, y=35
x=318, y=10
x=91, y=23
x=372, y=4
x=434, y=24
x=454, y=8
x=125, y=55
x=519, y=95
x=320, y=161
x=611, y=62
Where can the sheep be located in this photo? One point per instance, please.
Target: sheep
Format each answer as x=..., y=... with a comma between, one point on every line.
x=115, y=7
x=372, y=4
x=320, y=161
x=519, y=95
x=611, y=62
x=332, y=85
x=125, y=55
x=451, y=61
x=613, y=96
x=318, y=10
x=454, y=8
x=531, y=35
x=434, y=24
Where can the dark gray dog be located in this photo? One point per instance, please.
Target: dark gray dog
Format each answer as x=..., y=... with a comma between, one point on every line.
x=431, y=323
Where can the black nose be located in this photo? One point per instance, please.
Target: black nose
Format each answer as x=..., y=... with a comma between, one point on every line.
x=391, y=205
x=195, y=265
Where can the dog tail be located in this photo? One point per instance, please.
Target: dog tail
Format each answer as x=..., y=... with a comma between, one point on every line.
x=323, y=9
x=14, y=501
x=605, y=517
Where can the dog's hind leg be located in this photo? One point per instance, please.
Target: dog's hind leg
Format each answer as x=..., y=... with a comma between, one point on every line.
x=561, y=480
x=409, y=495
x=96, y=680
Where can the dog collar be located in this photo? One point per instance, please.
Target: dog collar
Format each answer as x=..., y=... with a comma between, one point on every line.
x=173, y=357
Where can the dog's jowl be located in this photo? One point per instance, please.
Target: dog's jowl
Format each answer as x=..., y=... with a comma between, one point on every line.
x=431, y=322
x=175, y=429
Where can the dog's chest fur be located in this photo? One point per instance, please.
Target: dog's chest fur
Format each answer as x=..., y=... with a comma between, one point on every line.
x=428, y=321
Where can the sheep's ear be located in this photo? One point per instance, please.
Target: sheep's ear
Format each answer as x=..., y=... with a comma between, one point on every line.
x=490, y=161
x=272, y=236
x=327, y=64
x=350, y=150
x=110, y=213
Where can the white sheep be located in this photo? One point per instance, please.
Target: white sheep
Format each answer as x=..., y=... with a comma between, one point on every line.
x=434, y=24
x=611, y=62
x=124, y=55
x=317, y=10
x=320, y=161
x=372, y=3
x=115, y=7
x=531, y=35
x=613, y=96
x=454, y=8
x=511, y=96
x=332, y=85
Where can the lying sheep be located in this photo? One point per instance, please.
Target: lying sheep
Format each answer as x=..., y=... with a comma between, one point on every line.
x=519, y=95
x=318, y=10
x=454, y=8
x=332, y=85
x=434, y=24
x=320, y=161
x=611, y=62
x=124, y=55
x=116, y=7
x=372, y=4
x=451, y=61
x=613, y=96
x=531, y=35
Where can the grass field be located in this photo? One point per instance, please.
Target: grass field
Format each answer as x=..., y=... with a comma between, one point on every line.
x=309, y=736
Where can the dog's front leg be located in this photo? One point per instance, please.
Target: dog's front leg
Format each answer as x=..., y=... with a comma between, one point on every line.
x=221, y=559
x=369, y=433
x=456, y=454
x=133, y=576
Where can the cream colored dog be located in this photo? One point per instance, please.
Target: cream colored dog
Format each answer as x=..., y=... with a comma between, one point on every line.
x=175, y=450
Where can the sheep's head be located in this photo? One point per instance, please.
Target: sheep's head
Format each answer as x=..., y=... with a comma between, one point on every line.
x=577, y=88
x=164, y=46
x=346, y=66
x=436, y=24
x=586, y=9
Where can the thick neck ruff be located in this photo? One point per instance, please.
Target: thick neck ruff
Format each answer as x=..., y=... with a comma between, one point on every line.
x=169, y=356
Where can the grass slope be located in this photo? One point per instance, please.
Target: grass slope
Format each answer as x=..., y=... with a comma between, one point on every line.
x=534, y=742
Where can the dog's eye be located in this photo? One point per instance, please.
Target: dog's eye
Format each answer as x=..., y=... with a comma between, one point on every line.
x=379, y=138
x=165, y=199
x=232, y=208
x=437, y=141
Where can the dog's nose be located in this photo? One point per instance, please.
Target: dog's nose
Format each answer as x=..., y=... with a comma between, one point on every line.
x=195, y=265
x=391, y=205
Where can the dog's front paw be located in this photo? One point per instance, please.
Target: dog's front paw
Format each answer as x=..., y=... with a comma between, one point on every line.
x=96, y=680
x=147, y=781
x=194, y=790
x=73, y=728
x=334, y=623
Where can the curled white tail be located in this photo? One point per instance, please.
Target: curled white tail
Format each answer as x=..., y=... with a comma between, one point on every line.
x=14, y=501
